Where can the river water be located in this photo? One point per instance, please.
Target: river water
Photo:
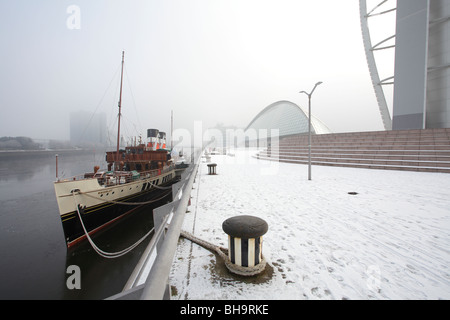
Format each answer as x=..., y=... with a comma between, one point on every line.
x=33, y=254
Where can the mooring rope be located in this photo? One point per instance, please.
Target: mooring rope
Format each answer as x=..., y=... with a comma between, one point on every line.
x=222, y=252
x=104, y=254
x=161, y=188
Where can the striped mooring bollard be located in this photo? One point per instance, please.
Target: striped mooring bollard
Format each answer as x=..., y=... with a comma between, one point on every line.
x=245, y=243
x=212, y=168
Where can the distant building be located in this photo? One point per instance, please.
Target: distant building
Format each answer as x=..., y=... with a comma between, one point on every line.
x=286, y=118
x=87, y=129
x=223, y=135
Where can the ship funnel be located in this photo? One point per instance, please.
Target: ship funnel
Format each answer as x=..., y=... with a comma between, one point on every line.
x=162, y=140
x=152, y=133
x=153, y=139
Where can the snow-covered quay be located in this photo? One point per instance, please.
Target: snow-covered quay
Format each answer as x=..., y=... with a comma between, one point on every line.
x=389, y=241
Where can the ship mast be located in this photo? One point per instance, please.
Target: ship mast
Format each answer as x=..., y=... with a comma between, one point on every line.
x=171, y=131
x=116, y=165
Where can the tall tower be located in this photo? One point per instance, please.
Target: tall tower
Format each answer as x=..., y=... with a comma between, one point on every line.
x=87, y=128
x=422, y=64
x=438, y=67
x=382, y=9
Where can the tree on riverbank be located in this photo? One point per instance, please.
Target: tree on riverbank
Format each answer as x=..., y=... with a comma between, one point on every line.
x=18, y=143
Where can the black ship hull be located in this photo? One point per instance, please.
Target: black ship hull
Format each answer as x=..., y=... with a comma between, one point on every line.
x=98, y=217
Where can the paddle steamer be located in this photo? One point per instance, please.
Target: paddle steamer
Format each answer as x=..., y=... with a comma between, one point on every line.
x=137, y=175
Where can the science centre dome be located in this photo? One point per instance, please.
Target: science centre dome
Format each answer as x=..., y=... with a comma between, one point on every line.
x=288, y=118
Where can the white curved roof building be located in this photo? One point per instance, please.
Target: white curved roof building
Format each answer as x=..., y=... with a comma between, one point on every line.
x=288, y=118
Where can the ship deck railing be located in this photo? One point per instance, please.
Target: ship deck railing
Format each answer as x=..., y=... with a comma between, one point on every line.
x=110, y=178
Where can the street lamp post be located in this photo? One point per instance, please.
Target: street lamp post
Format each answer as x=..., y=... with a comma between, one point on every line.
x=309, y=126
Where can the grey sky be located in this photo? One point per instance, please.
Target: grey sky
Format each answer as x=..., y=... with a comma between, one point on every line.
x=210, y=60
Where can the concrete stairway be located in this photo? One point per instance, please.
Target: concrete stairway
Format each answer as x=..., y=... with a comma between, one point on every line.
x=412, y=150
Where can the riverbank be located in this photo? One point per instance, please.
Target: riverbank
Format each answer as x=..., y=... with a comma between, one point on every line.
x=8, y=154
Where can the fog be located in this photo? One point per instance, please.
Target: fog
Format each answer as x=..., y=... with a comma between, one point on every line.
x=215, y=61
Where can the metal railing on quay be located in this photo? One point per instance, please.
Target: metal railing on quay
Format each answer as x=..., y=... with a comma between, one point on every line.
x=150, y=278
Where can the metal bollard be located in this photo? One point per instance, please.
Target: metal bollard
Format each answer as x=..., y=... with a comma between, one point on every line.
x=245, y=243
x=212, y=168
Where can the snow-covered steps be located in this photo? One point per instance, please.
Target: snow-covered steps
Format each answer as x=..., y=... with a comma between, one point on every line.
x=411, y=150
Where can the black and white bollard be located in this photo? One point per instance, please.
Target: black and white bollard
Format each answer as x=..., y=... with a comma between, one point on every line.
x=212, y=168
x=245, y=244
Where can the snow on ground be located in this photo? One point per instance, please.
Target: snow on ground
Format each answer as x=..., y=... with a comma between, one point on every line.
x=390, y=241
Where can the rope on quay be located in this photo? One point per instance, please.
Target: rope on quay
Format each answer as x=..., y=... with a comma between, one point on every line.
x=104, y=254
x=239, y=270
